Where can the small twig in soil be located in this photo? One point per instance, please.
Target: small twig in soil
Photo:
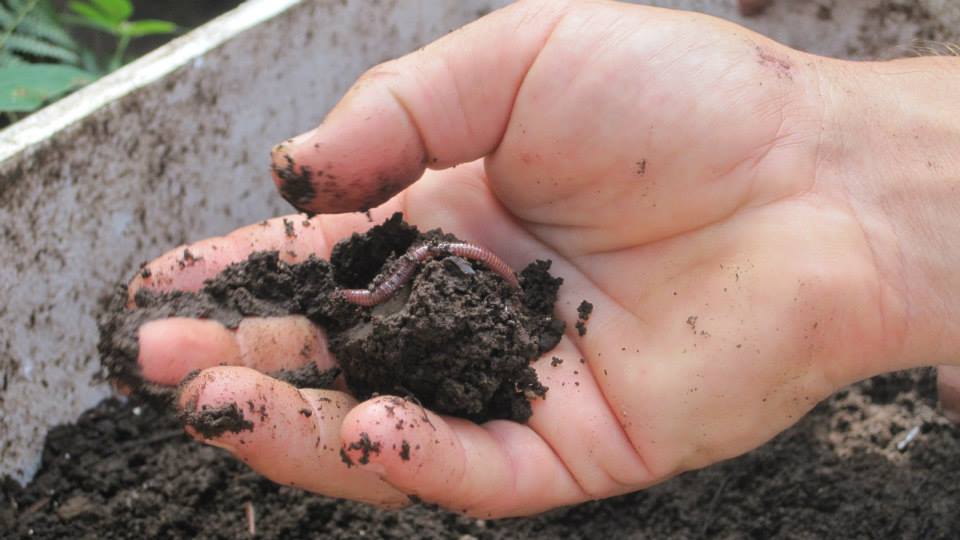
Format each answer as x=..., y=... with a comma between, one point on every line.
x=412, y=259
x=35, y=507
x=713, y=504
x=162, y=436
x=251, y=518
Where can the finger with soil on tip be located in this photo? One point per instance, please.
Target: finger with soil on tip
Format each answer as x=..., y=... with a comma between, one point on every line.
x=290, y=436
x=496, y=469
x=172, y=348
x=446, y=104
x=294, y=237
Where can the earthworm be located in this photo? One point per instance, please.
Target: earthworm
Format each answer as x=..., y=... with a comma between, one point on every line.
x=412, y=258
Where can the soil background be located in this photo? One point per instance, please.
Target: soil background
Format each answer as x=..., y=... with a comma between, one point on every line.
x=126, y=471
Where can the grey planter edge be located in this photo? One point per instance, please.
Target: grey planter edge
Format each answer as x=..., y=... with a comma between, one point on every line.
x=146, y=70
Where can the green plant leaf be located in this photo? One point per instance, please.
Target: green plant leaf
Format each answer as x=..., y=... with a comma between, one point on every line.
x=146, y=27
x=88, y=61
x=36, y=47
x=93, y=16
x=6, y=18
x=24, y=88
x=117, y=10
x=7, y=58
x=96, y=25
x=40, y=25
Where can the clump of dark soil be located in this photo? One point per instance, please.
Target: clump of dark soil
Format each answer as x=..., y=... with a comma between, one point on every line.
x=584, y=310
x=215, y=421
x=458, y=338
x=129, y=472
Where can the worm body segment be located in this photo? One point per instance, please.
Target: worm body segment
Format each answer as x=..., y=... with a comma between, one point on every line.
x=413, y=258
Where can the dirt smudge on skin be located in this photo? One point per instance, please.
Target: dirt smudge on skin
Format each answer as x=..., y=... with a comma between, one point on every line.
x=295, y=186
x=781, y=66
x=366, y=447
x=211, y=422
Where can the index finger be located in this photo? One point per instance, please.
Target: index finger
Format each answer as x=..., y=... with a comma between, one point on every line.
x=295, y=237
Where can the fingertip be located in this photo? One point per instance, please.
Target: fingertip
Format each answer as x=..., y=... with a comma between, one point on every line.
x=409, y=447
x=290, y=436
x=365, y=152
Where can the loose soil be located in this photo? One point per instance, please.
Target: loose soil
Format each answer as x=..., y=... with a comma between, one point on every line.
x=875, y=460
x=458, y=338
x=127, y=471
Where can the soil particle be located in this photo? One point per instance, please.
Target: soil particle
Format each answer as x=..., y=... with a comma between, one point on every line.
x=345, y=458
x=212, y=422
x=583, y=315
x=642, y=167
x=288, y=228
x=459, y=341
x=366, y=447
x=556, y=361
x=405, y=450
x=308, y=376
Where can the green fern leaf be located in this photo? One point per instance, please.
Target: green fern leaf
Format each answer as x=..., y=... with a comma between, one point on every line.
x=30, y=29
x=9, y=59
x=36, y=47
x=6, y=18
x=40, y=25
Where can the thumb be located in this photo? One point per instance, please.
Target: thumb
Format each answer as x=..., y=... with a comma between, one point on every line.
x=445, y=104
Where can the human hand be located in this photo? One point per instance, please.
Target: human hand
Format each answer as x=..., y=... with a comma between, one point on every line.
x=735, y=210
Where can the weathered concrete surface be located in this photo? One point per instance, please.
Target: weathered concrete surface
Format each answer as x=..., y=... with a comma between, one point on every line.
x=856, y=29
x=172, y=148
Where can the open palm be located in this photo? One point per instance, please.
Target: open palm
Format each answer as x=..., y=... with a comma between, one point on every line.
x=668, y=163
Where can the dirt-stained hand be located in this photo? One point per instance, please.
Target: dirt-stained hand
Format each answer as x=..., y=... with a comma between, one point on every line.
x=723, y=201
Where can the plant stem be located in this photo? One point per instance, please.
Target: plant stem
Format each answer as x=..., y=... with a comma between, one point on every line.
x=117, y=59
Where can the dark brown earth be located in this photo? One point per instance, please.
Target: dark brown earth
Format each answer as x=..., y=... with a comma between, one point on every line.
x=458, y=338
x=129, y=472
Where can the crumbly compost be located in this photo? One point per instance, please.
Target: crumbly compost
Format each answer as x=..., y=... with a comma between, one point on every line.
x=125, y=471
x=458, y=338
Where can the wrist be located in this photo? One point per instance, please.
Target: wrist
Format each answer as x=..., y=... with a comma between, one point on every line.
x=890, y=149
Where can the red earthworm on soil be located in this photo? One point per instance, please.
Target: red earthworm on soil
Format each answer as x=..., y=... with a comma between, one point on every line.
x=412, y=259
